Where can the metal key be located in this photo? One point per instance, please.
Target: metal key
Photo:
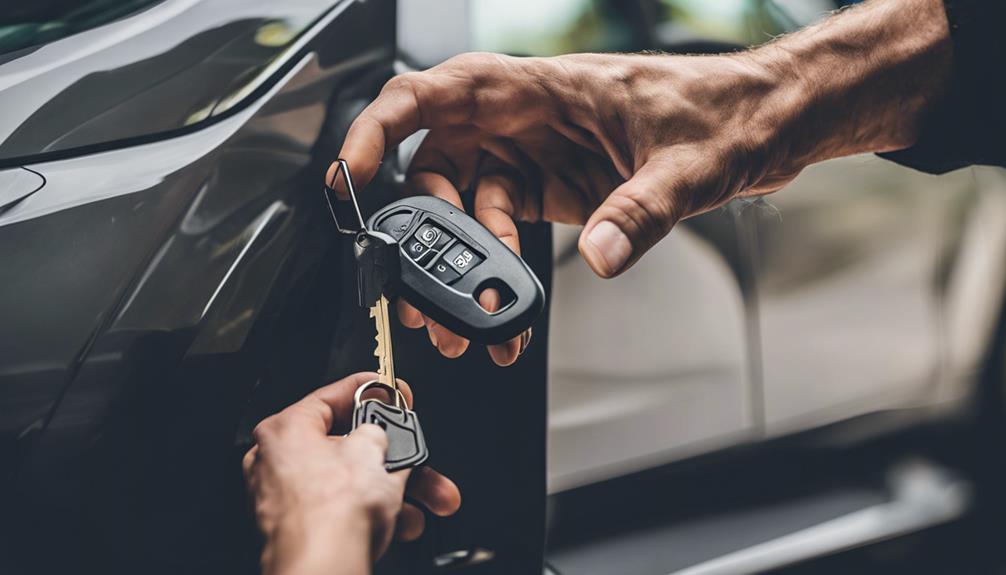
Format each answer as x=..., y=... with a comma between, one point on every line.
x=377, y=270
x=406, y=443
x=375, y=253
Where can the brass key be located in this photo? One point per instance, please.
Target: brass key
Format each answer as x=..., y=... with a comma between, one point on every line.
x=384, y=351
x=377, y=272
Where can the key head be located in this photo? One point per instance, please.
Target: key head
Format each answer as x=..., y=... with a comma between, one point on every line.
x=447, y=259
x=406, y=444
x=377, y=266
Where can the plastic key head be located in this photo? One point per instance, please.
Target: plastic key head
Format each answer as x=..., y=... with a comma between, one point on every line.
x=406, y=443
x=377, y=265
x=447, y=259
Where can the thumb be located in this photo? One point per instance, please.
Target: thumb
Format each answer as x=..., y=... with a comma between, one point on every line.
x=633, y=218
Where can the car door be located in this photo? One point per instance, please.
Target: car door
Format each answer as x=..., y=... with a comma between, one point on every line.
x=171, y=276
x=852, y=322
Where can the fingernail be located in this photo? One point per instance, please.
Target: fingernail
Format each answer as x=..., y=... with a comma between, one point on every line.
x=525, y=340
x=610, y=249
x=429, y=330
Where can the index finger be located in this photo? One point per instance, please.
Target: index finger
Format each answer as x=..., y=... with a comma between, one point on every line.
x=333, y=403
x=406, y=104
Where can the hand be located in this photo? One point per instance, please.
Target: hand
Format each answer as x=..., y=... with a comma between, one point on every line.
x=324, y=500
x=629, y=145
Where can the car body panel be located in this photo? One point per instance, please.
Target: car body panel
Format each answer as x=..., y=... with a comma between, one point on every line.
x=651, y=366
x=175, y=65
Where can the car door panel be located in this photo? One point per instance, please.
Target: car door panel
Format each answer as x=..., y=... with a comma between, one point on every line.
x=654, y=365
x=850, y=322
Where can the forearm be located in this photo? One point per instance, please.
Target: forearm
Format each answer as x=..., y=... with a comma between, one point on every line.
x=336, y=544
x=861, y=81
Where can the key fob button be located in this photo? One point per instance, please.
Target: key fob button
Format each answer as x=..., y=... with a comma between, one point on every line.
x=444, y=271
x=461, y=258
x=429, y=234
x=433, y=237
x=417, y=250
x=396, y=224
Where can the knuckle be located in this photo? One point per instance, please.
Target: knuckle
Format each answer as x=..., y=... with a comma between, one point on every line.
x=266, y=429
x=648, y=212
x=470, y=61
x=406, y=82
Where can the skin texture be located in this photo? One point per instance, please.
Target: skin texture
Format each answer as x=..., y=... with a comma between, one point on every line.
x=324, y=502
x=628, y=145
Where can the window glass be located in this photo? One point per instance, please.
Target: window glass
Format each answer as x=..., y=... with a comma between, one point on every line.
x=549, y=27
x=745, y=22
x=28, y=24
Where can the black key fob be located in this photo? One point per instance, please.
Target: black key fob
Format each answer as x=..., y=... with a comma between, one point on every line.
x=447, y=259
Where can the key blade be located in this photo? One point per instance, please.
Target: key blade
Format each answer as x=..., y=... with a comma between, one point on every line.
x=383, y=349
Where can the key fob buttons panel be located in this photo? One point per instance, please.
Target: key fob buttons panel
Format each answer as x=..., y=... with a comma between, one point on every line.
x=448, y=259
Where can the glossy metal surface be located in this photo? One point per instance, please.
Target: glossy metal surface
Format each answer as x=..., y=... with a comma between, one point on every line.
x=175, y=65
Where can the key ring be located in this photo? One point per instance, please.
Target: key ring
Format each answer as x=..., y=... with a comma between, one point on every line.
x=398, y=395
x=332, y=198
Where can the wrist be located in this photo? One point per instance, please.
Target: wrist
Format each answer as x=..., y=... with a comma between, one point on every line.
x=312, y=541
x=862, y=81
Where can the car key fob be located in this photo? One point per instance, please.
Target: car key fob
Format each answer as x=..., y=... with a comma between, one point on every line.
x=406, y=444
x=447, y=259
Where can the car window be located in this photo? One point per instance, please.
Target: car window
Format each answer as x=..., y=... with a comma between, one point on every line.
x=557, y=27
x=744, y=22
x=29, y=24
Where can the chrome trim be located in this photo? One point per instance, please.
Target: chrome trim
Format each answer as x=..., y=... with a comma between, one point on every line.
x=923, y=495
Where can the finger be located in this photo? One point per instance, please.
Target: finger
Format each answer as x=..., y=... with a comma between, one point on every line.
x=408, y=315
x=631, y=220
x=406, y=104
x=371, y=439
x=436, y=492
x=496, y=201
x=448, y=343
x=503, y=354
x=339, y=397
x=248, y=461
x=332, y=402
x=410, y=524
x=496, y=207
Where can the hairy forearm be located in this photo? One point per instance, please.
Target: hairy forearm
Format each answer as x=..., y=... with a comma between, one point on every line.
x=862, y=80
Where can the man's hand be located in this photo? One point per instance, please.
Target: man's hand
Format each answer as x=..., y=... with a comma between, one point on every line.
x=629, y=145
x=325, y=503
